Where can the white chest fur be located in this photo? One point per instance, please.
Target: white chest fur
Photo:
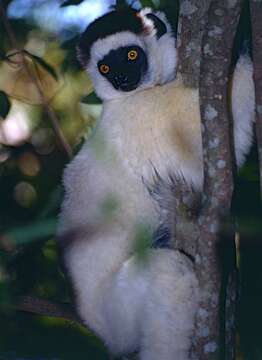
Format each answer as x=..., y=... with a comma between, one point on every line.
x=154, y=128
x=150, y=129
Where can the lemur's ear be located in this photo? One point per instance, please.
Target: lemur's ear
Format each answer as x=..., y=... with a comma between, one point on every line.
x=159, y=25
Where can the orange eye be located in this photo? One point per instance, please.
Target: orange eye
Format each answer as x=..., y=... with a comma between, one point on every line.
x=132, y=55
x=104, y=69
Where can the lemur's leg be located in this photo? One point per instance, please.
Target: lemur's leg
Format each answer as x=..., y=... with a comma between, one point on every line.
x=149, y=304
x=243, y=107
x=170, y=308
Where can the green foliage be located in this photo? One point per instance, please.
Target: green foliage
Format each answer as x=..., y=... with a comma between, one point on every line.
x=143, y=241
x=109, y=206
x=149, y=3
x=34, y=338
x=35, y=231
x=91, y=99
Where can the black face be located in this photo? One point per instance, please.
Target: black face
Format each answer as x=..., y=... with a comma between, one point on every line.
x=124, y=67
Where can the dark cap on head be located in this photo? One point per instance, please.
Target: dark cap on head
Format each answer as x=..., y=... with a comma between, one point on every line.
x=108, y=24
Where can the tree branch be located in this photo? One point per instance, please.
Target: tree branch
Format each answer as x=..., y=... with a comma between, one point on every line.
x=256, y=20
x=48, y=109
x=35, y=305
x=192, y=17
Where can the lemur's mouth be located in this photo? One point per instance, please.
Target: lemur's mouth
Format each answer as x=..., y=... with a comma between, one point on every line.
x=128, y=87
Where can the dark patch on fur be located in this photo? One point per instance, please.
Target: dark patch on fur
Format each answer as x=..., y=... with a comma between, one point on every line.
x=108, y=24
x=243, y=39
x=124, y=74
x=166, y=192
x=189, y=256
x=173, y=195
x=162, y=237
x=159, y=25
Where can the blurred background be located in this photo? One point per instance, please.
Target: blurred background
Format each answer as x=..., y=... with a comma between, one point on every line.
x=43, y=90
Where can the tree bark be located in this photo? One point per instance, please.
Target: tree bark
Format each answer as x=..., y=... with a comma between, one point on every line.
x=256, y=20
x=218, y=180
x=192, y=19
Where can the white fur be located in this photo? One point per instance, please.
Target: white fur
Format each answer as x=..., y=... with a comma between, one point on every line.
x=133, y=304
x=243, y=107
x=147, y=305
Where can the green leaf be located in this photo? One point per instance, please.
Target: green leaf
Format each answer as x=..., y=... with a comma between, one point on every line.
x=54, y=201
x=91, y=99
x=29, y=233
x=148, y=3
x=71, y=2
x=143, y=241
x=44, y=65
x=5, y=105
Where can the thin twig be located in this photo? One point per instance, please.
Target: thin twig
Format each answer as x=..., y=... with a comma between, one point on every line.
x=35, y=305
x=50, y=112
x=42, y=307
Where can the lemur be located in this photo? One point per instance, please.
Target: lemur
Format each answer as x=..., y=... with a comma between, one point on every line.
x=150, y=124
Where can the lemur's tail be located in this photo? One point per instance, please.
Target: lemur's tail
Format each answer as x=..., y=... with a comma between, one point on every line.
x=243, y=107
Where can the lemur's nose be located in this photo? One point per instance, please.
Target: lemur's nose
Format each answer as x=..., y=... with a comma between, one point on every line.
x=120, y=79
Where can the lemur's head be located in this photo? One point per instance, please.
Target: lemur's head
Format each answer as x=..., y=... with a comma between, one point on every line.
x=126, y=51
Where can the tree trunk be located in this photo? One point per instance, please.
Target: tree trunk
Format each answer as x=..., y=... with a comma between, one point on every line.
x=256, y=18
x=192, y=19
x=217, y=44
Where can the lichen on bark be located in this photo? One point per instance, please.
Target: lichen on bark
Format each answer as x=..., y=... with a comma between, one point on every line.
x=192, y=19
